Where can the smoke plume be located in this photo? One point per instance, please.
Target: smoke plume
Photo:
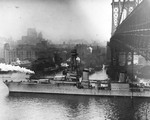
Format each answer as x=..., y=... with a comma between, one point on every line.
x=6, y=67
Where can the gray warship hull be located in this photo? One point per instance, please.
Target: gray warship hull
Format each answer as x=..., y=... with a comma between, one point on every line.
x=25, y=87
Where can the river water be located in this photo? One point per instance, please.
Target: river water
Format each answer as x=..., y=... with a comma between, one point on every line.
x=69, y=107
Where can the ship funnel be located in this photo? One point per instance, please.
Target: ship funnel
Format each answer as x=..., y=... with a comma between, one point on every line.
x=85, y=76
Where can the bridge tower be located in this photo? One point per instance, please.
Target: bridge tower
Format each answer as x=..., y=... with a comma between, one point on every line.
x=120, y=10
x=121, y=58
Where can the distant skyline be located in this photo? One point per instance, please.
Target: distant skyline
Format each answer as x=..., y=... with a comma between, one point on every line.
x=57, y=19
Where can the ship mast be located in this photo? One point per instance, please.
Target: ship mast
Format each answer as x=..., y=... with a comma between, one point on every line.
x=73, y=60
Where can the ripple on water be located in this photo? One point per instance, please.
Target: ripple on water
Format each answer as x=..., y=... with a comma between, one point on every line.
x=66, y=107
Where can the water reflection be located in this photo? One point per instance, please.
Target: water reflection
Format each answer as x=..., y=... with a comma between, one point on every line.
x=142, y=108
x=66, y=107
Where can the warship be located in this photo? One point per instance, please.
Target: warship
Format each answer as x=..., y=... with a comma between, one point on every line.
x=70, y=85
x=73, y=84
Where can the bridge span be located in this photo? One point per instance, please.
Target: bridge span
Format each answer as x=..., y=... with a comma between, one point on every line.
x=130, y=37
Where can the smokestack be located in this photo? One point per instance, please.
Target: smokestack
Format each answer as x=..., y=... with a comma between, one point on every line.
x=85, y=76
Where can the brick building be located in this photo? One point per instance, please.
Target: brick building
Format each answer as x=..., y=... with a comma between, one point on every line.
x=23, y=52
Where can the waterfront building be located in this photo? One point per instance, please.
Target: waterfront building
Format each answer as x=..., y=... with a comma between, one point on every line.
x=26, y=48
x=32, y=37
x=31, y=32
x=6, y=53
x=23, y=52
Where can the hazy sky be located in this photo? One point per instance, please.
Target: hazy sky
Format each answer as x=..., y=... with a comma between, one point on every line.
x=56, y=19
